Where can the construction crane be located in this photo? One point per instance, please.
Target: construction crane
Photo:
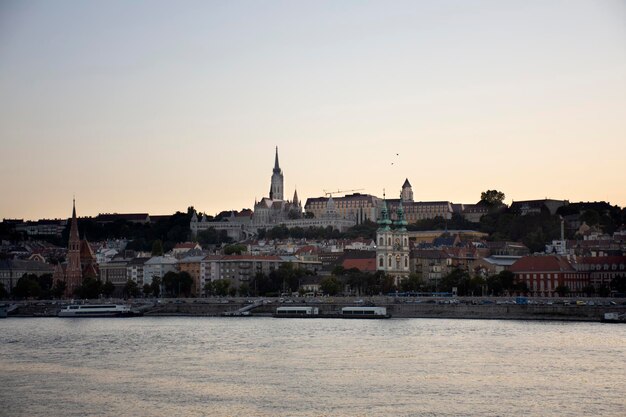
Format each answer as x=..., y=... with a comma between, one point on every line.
x=330, y=193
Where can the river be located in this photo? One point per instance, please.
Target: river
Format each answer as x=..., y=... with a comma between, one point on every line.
x=203, y=366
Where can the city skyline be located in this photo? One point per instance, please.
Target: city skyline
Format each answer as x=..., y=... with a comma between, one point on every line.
x=182, y=105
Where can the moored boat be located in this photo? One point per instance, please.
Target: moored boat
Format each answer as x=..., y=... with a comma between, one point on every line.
x=297, y=312
x=614, y=318
x=364, y=313
x=97, y=310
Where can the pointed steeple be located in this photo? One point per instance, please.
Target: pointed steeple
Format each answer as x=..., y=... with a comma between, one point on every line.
x=384, y=221
x=74, y=224
x=400, y=223
x=73, y=272
x=276, y=185
x=276, y=166
x=295, y=198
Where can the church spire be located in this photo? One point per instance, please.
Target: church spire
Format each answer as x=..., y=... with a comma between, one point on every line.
x=276, y=166
x=400, y=223
x=74, y=224
x=276, y=186
x=384, y=221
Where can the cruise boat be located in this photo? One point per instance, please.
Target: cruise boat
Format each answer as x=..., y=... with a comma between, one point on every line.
x=364, y=313
x=297, y=312
x=97, y=310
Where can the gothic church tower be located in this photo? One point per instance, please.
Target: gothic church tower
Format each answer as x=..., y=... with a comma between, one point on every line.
x=276, y=188
x=73, y=273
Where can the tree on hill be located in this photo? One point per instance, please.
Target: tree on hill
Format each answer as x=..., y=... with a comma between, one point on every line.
x=211, y=236
x=492, y=198
x=157, y=248
x=234, y=249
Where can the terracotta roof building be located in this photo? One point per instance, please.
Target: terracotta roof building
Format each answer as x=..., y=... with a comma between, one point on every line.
x=543, y=274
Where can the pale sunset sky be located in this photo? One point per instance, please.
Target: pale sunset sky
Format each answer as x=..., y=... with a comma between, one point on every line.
x=153, y=106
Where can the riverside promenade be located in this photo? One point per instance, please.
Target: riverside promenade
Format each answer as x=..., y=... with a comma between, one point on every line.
x=500, y=308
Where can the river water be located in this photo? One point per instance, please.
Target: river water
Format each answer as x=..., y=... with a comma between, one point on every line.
x=200, y=366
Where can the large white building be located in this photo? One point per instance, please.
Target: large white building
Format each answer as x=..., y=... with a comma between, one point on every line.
x=158, y=266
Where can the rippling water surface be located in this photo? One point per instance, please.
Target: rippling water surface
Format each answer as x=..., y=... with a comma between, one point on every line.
x=310, y=367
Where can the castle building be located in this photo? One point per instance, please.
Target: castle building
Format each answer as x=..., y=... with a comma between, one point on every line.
x=80, y=262
x=357, y=207
x=418, y=210
x=275, y=211
x=392, y=249
x=407, y=192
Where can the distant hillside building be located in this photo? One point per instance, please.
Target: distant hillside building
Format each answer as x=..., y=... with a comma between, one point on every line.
x=357, y=207
x=273, y=211
x=524, y=208
x=417, y=210
x=43, y=227
x=141, y=218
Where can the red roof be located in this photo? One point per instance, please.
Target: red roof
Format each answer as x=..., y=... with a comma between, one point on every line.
x=602, y=260
x=549, y=263
x=185, y=245
x=307, y=249
x=363, y=265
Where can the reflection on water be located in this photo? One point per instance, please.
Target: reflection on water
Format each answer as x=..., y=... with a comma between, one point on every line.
x=265, y=367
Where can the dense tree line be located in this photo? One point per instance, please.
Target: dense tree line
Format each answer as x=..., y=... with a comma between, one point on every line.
x=284, y=279
x=31, y=286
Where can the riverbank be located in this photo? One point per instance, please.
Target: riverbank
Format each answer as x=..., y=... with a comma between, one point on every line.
x=463, y=308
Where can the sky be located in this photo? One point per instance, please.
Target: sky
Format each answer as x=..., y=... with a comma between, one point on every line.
x=154, y=106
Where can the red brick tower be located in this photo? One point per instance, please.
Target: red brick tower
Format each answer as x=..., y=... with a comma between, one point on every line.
x=73, y=273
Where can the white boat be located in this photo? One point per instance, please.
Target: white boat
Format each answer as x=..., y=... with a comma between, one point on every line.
x=364, y=313
x=293, y=312
x=614, y=318
x=97, y=310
